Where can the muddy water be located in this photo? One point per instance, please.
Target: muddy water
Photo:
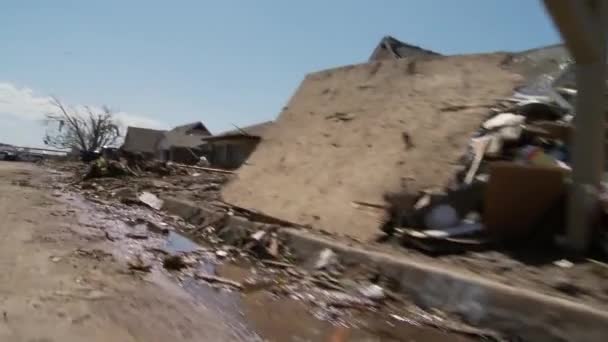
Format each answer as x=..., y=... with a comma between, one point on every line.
x=287, y=319
x=256, y=315
x=177, y=243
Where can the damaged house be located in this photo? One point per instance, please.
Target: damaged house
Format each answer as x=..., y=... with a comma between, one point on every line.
x=231, y=149
x=183, y=144
x=143, y=141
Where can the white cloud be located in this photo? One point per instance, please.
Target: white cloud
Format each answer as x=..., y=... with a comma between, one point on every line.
x=127, y=119
x=24, y=104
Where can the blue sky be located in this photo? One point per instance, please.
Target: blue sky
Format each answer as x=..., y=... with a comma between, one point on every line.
x=165, y=63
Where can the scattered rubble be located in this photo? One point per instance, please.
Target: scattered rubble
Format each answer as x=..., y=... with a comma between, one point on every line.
x=150, y=200
x=327, y=258
x=107, y=168
x=159, y=228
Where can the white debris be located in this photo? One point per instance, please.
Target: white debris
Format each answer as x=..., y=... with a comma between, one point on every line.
x=495, y=143
x=221, y=253
x=151, y=200
x=403, y=319
x=327, y=257
x=504, y=120
x=424, y=201
x=372, y=291
x=510, y=133
x=257, y=236
x=563, y=263
x=461, y=229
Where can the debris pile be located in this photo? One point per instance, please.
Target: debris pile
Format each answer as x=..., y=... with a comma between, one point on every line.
x=512, y=182
x=145, y=181
x=107, y=168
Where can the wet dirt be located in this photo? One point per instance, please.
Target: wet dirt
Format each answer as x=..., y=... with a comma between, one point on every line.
x=269, y=309
x=277, y=318
x=63, y=281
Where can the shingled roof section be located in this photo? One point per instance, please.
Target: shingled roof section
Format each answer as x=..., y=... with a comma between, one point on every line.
x=194, y=128
x=254, y=131
x=392, y=48
x=142, y=139
x=189, y=135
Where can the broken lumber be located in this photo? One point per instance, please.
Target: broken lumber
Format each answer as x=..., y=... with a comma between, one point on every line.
x=210, y=169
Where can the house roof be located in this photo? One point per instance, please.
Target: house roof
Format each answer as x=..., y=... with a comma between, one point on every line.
x=392, y=48
x=142, y=139
x=192, y=128
x=190, y=135
x=253, y=131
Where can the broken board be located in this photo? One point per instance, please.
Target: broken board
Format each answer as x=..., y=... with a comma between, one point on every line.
x=518, y=196
x=354, y=133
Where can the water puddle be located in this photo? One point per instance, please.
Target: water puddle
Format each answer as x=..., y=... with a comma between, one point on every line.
x=178, y=243
x=287, y=319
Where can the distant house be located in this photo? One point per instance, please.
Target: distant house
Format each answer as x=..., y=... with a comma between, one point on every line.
x=392, y=48
x=231, y=149
x=183, y=144
x=143, y=141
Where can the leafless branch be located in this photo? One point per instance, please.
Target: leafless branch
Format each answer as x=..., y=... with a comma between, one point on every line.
x=85, y=130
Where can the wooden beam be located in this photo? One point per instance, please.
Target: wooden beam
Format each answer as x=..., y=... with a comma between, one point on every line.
x=573, y=19
x=583, y=25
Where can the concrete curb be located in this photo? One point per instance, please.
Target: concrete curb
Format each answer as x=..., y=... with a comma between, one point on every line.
x=481, y=302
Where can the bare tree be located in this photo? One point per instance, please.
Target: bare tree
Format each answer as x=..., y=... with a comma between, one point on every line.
x=85, y=130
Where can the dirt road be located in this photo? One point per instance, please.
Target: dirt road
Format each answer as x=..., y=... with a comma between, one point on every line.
x=51, y=292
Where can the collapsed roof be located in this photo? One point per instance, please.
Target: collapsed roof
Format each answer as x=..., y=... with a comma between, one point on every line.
x=143, y=140
x=392, y=48
x=254, y=131
x=194, y=128
x=190, y=135
x=353, y=134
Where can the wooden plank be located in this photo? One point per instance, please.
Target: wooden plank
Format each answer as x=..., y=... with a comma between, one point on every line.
x=210, y=169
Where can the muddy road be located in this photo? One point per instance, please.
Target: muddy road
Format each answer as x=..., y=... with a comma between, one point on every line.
x=74, y=270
